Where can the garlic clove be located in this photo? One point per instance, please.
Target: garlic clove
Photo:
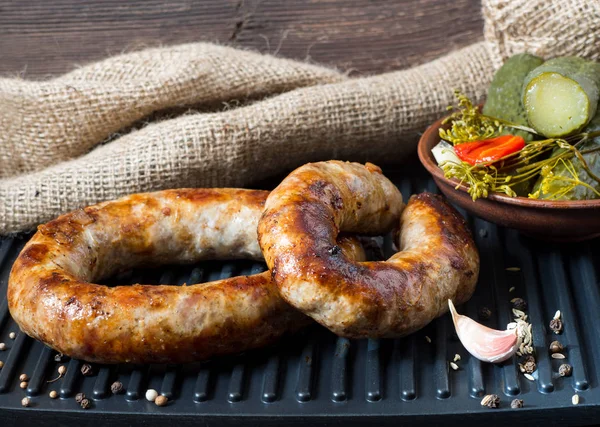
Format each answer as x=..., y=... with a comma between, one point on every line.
x=486, y=344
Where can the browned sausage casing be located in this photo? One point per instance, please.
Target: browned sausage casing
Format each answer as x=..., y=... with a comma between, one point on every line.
x=52, y=296
x=303, y=216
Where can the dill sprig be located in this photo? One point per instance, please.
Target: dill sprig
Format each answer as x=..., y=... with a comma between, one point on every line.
x=468, y=124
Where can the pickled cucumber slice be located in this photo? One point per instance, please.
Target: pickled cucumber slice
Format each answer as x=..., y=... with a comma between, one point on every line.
x=504, y=95
x=561, y=95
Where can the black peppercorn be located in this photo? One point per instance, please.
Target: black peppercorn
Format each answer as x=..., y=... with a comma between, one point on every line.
x=87, y=370
x=79, y=397
x=85, y=403
x=484, y=313
x=517, y=403
x=556, y=326
x=116, y=387
x=565, y=370
x=519, y=304
x=529, y=365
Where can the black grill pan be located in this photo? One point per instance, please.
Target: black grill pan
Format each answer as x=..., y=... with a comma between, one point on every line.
x=316, y=378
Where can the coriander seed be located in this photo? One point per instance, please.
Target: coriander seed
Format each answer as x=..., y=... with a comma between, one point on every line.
x=79, y=397
x=1, y=364
x=85, y=403
x=2, y=346
x=62, y=369
x=491, y=401
x=23, y=384
x=556, y=347
x=161, y=400
x=23, y=377
x=565, y=370
x=116, y=387
x=25, y=401
x=12, y=335
x=575, y=399
x=556, y=326
x=484, y=313
x=53, y=394
x=517, y=403
x=151, y=395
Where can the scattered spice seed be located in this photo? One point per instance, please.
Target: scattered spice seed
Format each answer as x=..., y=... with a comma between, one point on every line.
x=85, y=403
x=529, y=377
x=454, y=366
x=79, y=397
x=58, y=357
x=518, y=314
x=484, y=313
x=529, y=366
x=62, y=369
x=2, y=346
x=558, y=356
x=491, y=401
x=23, y=384
x=87, y=370
x=456, y=357
x=161, y=400
x=513, y=269
x=23, y=377
x=511, y=289
x=517, y=403
x=1, y=364
x=556, y=315
x=12, y=335
x=565, y=370
x=556, y=326
x=116, y=387
x=519, y=304
x=151, y=395
x=428, y=339
x=575, y=399
x=25, y=402
x=53, y=394
x=556, y=347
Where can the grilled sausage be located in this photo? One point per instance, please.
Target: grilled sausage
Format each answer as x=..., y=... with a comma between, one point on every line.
x=303, y=215
x=52, y=296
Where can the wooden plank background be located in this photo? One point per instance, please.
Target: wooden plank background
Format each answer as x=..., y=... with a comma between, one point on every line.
x=41, y=38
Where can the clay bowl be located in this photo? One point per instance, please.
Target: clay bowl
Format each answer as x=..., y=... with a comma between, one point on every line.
x=563, y=221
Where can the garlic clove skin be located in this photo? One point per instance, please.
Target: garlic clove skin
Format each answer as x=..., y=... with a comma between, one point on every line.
x=486, y=344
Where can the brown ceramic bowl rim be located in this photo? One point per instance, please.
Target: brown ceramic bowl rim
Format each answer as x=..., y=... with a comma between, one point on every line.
x=431, y=137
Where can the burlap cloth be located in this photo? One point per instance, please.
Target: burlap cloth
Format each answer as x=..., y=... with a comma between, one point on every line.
x=92, y=134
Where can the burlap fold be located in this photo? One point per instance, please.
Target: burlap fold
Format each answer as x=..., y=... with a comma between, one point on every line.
x=291, y=113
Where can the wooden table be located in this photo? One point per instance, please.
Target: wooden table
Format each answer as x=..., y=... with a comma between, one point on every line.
x=41, y=38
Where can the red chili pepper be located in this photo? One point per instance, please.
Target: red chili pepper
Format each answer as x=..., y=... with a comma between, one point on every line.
x=489, y=150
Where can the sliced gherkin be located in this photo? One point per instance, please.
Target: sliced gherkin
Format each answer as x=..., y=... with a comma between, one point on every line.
x=561, y=95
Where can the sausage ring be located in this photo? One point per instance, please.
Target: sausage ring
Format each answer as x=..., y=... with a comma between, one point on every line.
x=303, y=216
x=51, y=297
